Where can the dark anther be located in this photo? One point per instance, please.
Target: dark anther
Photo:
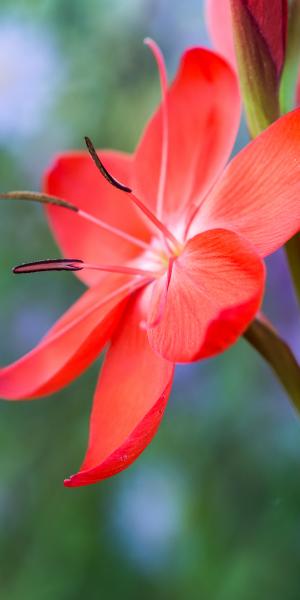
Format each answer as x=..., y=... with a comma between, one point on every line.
x=92, y=150
x=37, y=197
x=56, y=264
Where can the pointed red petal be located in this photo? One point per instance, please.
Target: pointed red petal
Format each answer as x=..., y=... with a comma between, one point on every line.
x=130, y=399
x=259, y=193
x=203, y=112
x=215, y=291
x=70, y=346
x=74, y=177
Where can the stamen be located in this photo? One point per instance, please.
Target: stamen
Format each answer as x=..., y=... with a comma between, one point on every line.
x=165, y=231
x=56, y=264
x=137, y=202
x=48, y=199
x=75, y=264
x=165, y=124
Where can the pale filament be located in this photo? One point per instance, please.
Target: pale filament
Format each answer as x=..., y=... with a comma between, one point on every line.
x=76, y=264
x=125, y=270
x=56, y=201
x=164, y=230
x=116, y=231
x=165, y=125
x=127, y=190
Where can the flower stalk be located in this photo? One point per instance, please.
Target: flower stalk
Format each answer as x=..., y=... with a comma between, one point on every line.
x=278, y=355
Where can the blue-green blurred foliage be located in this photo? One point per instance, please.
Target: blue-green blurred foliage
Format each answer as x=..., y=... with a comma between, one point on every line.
x=212, y=508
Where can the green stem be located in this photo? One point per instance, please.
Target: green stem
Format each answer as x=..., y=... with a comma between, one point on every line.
x=292, y=59
x=292, y=249
x=279, y=356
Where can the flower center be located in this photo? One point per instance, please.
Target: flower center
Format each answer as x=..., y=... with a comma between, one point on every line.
x=159, y=254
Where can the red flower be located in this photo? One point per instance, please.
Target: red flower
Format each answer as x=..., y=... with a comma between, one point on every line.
x=188, y=244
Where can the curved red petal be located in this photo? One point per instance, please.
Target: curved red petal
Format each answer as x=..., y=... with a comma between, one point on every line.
x=129, y=403
x=258, y=195
x=214, y=292
x=203, y=117
x=70, y=346
x=74, y=177
x=219, y=25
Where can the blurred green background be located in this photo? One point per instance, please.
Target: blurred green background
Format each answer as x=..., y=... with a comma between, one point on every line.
x=211, y=510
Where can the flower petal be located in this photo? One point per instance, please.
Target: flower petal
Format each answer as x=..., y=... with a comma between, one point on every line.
x=203, y=114
x=258, y=195
x=219, y=25
x=70, y=346
x=74, y=177
x=214, y=292
x=130, y=399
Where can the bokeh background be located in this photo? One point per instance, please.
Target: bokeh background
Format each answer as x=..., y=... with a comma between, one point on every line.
x=211, y=510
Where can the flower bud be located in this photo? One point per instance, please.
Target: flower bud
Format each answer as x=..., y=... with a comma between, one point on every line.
x=260, y=31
